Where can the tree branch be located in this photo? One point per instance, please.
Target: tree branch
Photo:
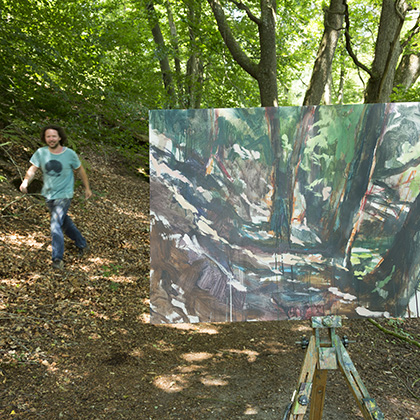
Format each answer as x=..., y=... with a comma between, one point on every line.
x=395, y=334
x=242, y=6
x=235, y=49
x=348, y=44
x=411, y=33
x=385, y=173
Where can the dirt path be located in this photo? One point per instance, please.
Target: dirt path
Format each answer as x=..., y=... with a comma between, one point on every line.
x=77, y=344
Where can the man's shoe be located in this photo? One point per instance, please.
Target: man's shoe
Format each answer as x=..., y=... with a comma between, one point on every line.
x=84, y=251
x=58, y=264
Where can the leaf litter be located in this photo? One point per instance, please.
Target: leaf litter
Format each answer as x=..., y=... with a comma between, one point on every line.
x=77, y=344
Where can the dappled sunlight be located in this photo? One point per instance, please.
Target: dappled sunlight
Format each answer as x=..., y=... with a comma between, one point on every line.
x=100, y=261
x=250, y=411
x=406, y=407
x=144, y=318
x=197, y=357
x=200, y=328
x=301, y=327
x=214, y=381
x=99, y=315
x=251, y=355
x=171, y=383
x=276, y=347
x=31, y=240
x=190, y=368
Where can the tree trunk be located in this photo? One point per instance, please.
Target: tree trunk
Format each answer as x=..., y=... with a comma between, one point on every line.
x=267, y=67
x=165, y=67
x=387, y=51
x=280, y=213
x=407, y=72
x=333, y=24
x=358, y=180
x=195, y=68
x=394, y=281
x=265, y=70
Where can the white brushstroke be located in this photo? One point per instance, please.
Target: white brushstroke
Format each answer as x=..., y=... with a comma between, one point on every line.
x=362, y=311
x=326, y=193
x=178, y=288
x=161, y=168
x=205, y=193
x=355, y=250
x=173, y=317
x=180, y=305
x=204, y=225
x=245, y=153
x=275, y=278
x=413, y=305
x=159, y=217
x=237, y=285
x=163, y=143
x=346, y=296
x=183, y=202
x=262, y=214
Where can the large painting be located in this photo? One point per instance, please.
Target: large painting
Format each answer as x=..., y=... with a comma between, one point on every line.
x=285, y=213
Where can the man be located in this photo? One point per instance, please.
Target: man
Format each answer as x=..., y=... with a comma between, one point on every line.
x=58, y=163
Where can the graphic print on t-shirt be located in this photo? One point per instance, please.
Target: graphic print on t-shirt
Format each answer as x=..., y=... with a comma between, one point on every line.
x=53, y=168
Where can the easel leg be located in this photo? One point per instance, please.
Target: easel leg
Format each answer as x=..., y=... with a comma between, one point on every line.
x=318, y=394
x=301, y=399
x=366, y=404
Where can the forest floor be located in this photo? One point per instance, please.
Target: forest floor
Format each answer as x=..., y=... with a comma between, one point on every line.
x=77, y=343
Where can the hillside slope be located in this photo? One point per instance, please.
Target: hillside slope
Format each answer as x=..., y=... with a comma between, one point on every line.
x=76, y=344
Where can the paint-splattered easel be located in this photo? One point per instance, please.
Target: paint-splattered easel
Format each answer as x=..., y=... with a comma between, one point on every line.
x=323, y=354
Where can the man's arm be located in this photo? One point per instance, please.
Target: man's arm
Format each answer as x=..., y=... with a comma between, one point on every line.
x=83, y=176
x=28, y=178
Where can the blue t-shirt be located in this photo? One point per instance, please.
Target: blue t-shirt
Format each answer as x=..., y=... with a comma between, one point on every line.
x=57, y=171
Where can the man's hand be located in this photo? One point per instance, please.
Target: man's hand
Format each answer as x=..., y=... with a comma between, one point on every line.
x=28, y=178
x=83, y=176
x=24, y=186
x=88, y=193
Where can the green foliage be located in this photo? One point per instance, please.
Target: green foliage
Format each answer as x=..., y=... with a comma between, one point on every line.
x=93, y=67
x=111, y=270
x=58, y=66
x=397, y=324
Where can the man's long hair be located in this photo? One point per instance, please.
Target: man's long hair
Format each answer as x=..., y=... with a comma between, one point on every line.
x=60, y=131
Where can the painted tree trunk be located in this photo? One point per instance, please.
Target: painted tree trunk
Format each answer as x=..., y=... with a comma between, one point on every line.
x=357, y=182
x=391, y=284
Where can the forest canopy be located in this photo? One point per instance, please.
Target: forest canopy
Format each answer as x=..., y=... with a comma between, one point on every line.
x=98, y=66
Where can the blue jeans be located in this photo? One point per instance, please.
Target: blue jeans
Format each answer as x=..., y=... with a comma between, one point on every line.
x=61, y=222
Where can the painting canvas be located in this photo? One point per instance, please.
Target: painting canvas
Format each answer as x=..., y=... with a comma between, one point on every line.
x=285, y=213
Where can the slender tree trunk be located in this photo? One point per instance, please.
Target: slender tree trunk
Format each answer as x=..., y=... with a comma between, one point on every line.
x=302, y=133
x=163, y=57
x=280, y=214
x=195, y=68
x=387, y=51
x=264, y=71
x=333, y=24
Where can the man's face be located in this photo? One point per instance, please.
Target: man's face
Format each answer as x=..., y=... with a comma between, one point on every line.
x=52, y=138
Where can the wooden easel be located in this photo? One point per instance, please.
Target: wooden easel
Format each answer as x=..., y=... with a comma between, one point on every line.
x=324, y=353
